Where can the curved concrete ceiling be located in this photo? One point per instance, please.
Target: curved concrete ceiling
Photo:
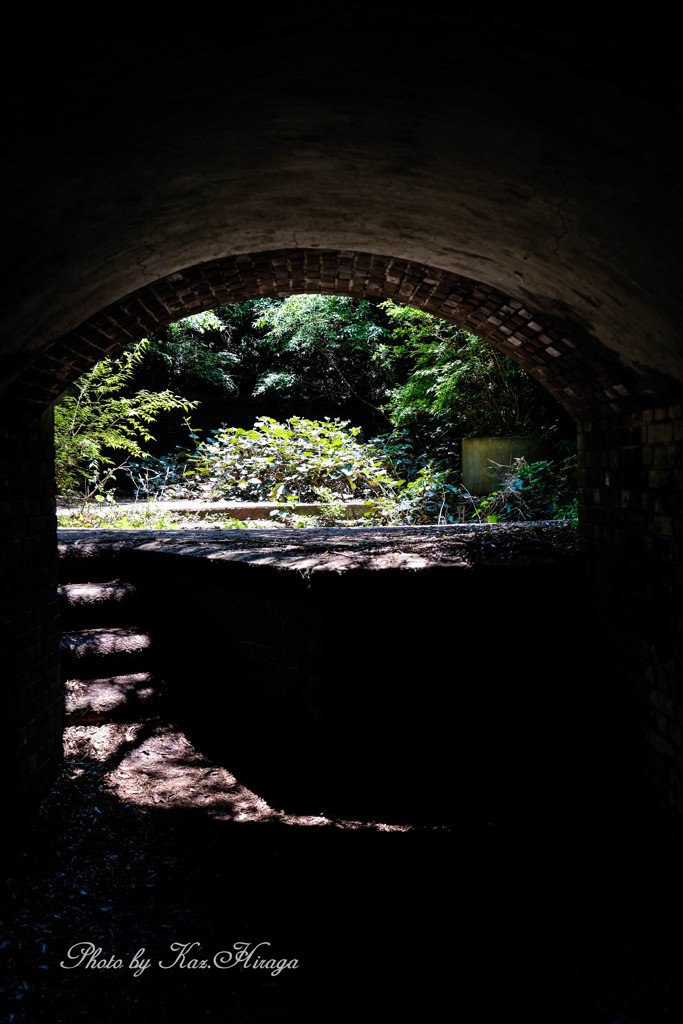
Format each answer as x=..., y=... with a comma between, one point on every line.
x=535, y=161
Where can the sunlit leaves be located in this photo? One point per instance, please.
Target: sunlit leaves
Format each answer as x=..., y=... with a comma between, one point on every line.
x=274, y=460
x=96, y=417
x=457, y=378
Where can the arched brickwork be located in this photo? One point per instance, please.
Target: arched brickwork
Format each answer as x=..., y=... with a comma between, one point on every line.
x=585, y=382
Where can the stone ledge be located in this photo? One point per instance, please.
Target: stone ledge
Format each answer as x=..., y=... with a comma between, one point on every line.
x=342, y=550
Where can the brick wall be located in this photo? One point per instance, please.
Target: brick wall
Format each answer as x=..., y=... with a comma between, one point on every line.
x=32, y=695
x=631, y=492
x=586, y=382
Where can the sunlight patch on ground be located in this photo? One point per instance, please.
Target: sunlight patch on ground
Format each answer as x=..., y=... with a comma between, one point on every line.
x=154, y=765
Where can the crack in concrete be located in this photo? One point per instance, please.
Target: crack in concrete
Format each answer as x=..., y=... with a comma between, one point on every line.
x=559, y=212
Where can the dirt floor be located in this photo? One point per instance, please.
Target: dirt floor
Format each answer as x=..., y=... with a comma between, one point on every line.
x=146, y=852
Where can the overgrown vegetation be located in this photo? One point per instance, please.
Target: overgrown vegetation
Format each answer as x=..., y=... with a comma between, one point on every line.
x=457, y=379
x=275, y=461
x=417, y=384
x=96, y=417
x=325, y=346
x=532, y=491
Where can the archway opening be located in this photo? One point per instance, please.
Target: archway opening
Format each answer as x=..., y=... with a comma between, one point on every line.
x=378, y=398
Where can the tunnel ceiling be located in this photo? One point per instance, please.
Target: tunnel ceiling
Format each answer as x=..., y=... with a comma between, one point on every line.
x=532, y=162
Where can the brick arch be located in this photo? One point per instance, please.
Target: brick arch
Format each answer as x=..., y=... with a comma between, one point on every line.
x=585, y=383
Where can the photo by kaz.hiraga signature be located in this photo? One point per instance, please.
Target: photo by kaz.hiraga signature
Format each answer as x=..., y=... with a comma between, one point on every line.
x=182, y=955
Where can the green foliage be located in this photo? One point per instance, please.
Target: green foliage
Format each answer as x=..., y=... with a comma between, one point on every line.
x=324, y=346
x=275, y=460
x=426, y=348
x=331, y=508
x=111, y=516
x=286, y=515
x=194, y=353
x=431, y=382
x=282, y=382
x=408, y=450
x=456, y=378
x=96, y=416
x=153, y=476
x=531, y=491
x=293, y=350
x=410, y=368
x=312, y=322
x=432, y=497
x=202, y=323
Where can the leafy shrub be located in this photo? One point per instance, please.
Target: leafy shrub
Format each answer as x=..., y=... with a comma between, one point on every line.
x=331, y=509
x=432, y=497
x=96, y=416
x=275, y=460
x=409, y=450
x=531, y=491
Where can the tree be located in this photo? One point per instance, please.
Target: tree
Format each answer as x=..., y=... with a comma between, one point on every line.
x=192, y=353
x=95, y=416
x=325, y=346
x=456, y=378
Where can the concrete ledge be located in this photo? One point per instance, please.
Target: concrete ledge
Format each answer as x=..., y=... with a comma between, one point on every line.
x=341, y=550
